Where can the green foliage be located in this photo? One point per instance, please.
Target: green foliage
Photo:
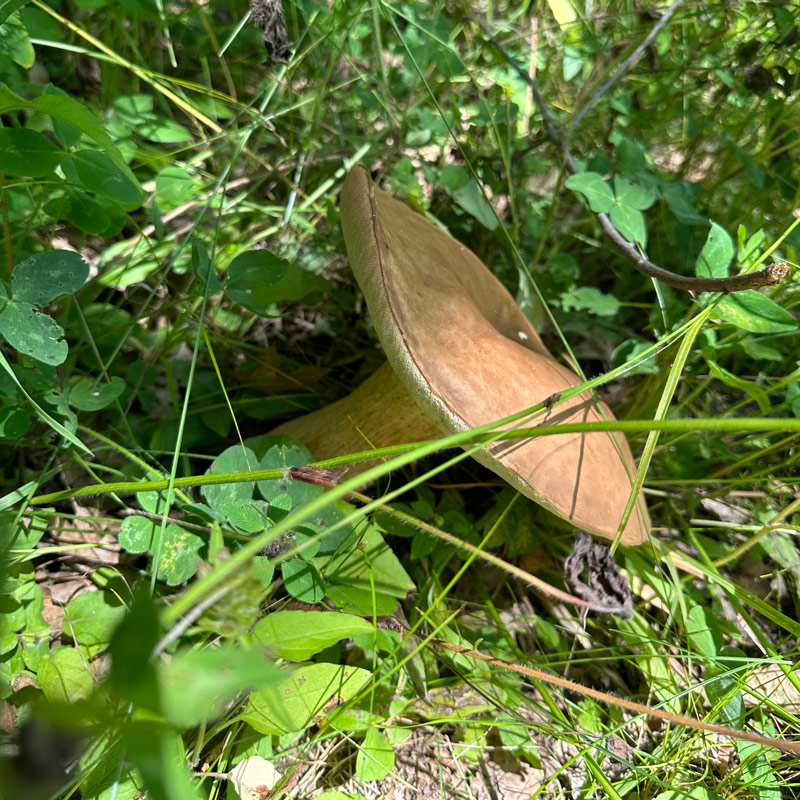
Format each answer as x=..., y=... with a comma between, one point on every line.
x=311, y=694
x=37, y=281
x=298, y=635
x=174, y=285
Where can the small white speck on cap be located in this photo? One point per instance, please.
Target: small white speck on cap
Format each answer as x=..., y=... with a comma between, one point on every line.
x=522, y=335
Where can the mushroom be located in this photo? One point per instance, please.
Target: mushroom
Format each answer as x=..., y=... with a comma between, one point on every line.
x=462, y=354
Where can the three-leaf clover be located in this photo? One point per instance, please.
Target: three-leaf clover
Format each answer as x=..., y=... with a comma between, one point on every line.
x=624, y=205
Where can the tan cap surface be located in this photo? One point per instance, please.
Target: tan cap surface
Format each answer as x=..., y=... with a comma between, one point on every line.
x=468, y=356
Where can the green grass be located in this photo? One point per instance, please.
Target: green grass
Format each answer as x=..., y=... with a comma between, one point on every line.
x=183, y=184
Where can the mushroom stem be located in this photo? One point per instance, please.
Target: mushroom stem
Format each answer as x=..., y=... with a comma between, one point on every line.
x=378, y=413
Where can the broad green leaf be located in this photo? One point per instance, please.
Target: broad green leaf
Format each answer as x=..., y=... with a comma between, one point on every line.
x=325, y=520
x=628, y=194
x=587, y=298
x=703, y=631
x=86, y=213
x=8, y=7
x=196, y=684
x=630, y=223
x=304, y=698
x=761, y=351
x=245, y=516
x=91, y=618
x=14, y=422
x=573, y=61
x=12, y=612
x=366, y=577
x=67, y=109
x=67, y=134
x=298, y=635
x=302, y=580
x=594, y=189
x=27, y=152
x=375, y=758
x=15, y=42
x=89, y=395
x=258, y=279
x=136, y=533
x=753, y=311
x=234, y=459
x=749, y=387
x=563, y=269
x=679, y=200
x=174, y=185
x=462, y=188
x=283, y=457
x=98, y=173
x=629, y=351
x=8, y=641
x=42, y=277
x=154, y=502
x=716, y=255
x=722, y=681
x=32, y=333
x=15, y=534
x=133, y=672
x=101, y=778
x=160, y=129
x=204, y=269
x=134, y=106
x=63, y=676
x=758, y=772
x=158, y=753
x=250, y=277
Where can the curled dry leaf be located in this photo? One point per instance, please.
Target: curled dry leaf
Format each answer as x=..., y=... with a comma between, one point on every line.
x=268, y=15
x=604, y=586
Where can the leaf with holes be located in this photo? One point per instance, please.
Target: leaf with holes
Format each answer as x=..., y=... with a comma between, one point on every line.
x=42, y=277
x=33, y=334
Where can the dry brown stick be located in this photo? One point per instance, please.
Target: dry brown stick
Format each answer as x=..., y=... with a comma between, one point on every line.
x=769, y=276
x=793, y=748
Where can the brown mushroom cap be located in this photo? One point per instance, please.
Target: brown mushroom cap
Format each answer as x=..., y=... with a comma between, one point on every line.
x=468, y=356
x=461, y=354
